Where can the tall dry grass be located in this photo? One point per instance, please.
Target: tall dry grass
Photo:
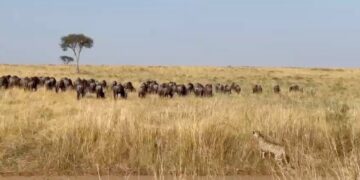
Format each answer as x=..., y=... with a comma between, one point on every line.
x=47, y=133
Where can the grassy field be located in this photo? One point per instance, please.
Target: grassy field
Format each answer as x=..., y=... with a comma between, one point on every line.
x=47, y=133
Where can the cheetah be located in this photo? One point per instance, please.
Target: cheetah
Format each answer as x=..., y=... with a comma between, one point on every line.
x=272, y=148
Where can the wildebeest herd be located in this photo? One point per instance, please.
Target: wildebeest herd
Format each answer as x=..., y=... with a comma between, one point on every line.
x=120, y=90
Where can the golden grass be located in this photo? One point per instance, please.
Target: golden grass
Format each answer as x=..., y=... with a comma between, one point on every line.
x=47, y=133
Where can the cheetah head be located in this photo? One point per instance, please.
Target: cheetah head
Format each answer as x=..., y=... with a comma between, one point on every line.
x=256, y=134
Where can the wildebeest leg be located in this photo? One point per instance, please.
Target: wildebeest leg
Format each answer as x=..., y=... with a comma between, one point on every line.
x=114, y=93
x=78, y=95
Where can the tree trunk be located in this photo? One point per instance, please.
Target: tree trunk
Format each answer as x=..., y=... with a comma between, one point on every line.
x=77, y=60
x=77, y=56
x=77, y=65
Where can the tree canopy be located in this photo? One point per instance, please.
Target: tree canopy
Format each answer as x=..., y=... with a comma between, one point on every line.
x=76, y=42
x=66, y=59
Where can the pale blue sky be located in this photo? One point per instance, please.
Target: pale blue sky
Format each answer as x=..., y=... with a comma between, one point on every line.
x=306, y=33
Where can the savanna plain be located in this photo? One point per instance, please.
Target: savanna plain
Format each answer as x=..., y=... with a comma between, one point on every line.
x=48, y=133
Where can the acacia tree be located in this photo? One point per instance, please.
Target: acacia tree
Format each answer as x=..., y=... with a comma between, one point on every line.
x=76, y=42
x=66, y=59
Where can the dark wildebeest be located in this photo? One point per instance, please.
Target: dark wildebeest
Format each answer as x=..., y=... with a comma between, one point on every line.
x=277, y=89
x=99, y=90
x=199, y=89
x=153, y=87
x=295, y=88
x=4, y=82
x=80, y=90
x=14, y=81
x=219, y=88
x=165, y=90
x=227, y=89
x=118, y=90
x=257, y=88
x=173, y=86
x=33, y=83
x=42, y=80
x=236, y=88
x=92, y=87
x=91, y=81
x=208, y=91
x=143, y=90
x=24, y=81
x=129, y=87
x=29, y=83
x=77, y=82
x=181, y=90
x=190, y=88
x=50, y=83
x=103, y=83
x=60, y=85
x=68, y=83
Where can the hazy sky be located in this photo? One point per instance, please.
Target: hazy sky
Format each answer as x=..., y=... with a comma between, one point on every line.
x=185, y=32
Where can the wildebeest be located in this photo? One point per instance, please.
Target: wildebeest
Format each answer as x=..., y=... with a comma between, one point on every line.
x=219, y=88
x=190, y=88
x=4, y=82
x=42, y=80
x=91, y=81
x=257, y=88
x=129, y=87
x=165, y=90
x=50, y=83
x=199, y=89
x=295, y=88
x=30, y=83
x=92, y=87
x=60, y=85
x=181, y=90
x=14, y=81
x=277, y=89
x=77, y=82
x=227, y=89
x=208, y=91
x=118, y=90
x=236, y=88
x=153, y=87
x=33, y=83
x=173, y=86
x=24, y=81
x=143, y=90
x=68, y=83
x=80, y=90
x=103, y=83
x=99, y=90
